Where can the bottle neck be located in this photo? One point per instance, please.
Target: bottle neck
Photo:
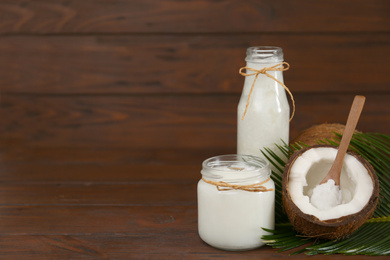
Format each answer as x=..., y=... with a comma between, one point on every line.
x=261, y=57
x=259, y=66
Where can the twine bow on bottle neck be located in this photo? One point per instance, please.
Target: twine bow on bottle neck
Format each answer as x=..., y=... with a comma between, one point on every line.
x=278, y=67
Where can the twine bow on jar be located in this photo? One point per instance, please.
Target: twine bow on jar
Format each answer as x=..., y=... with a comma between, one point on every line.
x=278, y=67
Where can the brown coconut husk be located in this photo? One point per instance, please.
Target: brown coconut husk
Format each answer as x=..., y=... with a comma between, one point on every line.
x=311, y=135
x=310, y=225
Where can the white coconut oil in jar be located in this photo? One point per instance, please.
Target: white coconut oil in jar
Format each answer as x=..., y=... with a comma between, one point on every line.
x=266, y=121
x=236, y=199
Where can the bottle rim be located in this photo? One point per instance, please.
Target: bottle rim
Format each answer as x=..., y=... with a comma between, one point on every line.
x=264, y=54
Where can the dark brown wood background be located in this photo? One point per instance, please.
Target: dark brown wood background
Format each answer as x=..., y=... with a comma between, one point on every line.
x=103, y=102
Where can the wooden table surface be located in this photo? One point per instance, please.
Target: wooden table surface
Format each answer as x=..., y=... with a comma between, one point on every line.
x=99, y=204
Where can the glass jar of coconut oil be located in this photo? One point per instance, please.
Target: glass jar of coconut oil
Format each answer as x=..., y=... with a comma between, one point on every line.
x=236, y=199
x=263, y=111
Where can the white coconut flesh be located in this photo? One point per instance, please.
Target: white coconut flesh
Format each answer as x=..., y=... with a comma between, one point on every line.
x=308, y=170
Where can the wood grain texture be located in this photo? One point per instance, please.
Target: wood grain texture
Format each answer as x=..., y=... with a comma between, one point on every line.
x=111, y=174
x=199, y=64
x=58, y=165
x=108, y=108
x=88, y=16
x=100, y=194
x=88, y=219
x=130, y=246
x=161, y=122
x=14, y=155
x=116, y=232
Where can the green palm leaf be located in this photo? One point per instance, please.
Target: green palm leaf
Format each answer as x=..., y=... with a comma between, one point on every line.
x=372, y=238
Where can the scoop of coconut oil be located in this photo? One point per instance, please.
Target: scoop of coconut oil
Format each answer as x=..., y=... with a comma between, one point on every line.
x=325, y=196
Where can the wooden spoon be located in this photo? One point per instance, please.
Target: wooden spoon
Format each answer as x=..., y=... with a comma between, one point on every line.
x=353, y=118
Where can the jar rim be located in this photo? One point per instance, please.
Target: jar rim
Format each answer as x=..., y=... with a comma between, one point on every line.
x=264, y=54
x=260, y=167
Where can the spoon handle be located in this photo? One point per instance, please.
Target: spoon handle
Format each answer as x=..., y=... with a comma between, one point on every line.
x=353, y=118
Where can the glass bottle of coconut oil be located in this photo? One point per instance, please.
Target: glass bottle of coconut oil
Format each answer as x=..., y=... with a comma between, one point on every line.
x=266, y=120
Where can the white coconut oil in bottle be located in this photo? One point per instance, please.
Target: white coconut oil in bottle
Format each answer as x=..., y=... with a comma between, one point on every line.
x=266, y=121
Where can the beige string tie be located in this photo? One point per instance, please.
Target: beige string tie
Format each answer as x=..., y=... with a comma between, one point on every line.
x=257, y=187
x=278, y=67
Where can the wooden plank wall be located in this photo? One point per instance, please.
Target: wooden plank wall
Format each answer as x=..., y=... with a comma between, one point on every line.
x=160, y=79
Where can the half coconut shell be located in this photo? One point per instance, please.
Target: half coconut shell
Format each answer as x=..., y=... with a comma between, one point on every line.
x=310, y=225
